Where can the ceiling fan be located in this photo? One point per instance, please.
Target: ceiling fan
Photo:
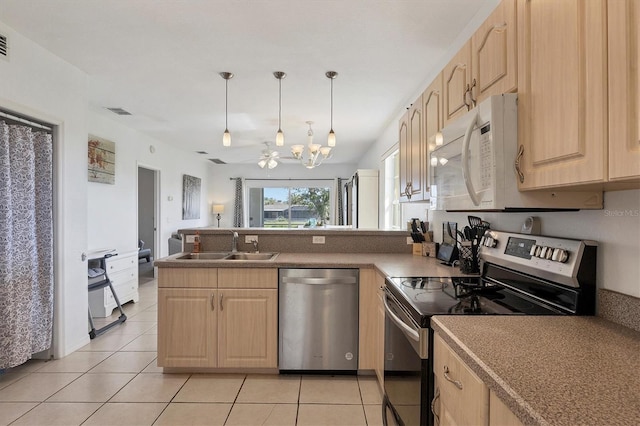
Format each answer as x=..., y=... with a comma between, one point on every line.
x=269, y=158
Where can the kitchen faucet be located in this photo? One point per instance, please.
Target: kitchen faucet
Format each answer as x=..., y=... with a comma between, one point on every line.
x=234, y=242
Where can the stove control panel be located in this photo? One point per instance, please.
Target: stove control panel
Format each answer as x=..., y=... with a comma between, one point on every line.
x=556, y=259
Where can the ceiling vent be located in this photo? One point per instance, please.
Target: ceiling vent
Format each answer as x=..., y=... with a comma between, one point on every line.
x=119, y=111
x=217, y=161
x=4, y=46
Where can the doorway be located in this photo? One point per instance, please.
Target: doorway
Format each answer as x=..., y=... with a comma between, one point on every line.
x=148, y=212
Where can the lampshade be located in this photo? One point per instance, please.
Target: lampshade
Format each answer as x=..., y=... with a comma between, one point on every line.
x=218, y=208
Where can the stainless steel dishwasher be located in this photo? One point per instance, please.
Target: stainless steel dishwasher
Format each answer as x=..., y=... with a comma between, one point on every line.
x=318, y=312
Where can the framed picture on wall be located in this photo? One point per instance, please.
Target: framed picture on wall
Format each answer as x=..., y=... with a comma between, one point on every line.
x=190, y=197
x=101, y=160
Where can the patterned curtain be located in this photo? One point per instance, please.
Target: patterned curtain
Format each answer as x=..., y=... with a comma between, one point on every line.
x=238, y=208
x=26, y=243
x=339, y=202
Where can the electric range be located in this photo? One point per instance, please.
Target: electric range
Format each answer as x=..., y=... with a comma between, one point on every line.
x=520, y=275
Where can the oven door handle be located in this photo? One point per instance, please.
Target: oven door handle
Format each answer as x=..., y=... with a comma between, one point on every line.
x=408, y=331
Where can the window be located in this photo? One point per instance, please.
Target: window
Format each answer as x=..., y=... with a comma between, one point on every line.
x=392, y=214
x=290, y=205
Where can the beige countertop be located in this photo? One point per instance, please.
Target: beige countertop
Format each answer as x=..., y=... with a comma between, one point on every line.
x=403, y=265
x=552, y=370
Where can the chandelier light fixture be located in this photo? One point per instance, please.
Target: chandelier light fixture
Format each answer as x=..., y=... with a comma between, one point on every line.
x=316, y=153
x=331, y=140
x=226, y=136
x=279, y=135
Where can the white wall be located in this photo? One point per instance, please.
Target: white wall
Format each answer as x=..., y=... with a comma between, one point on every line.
x=112, y=209
x=35, y=83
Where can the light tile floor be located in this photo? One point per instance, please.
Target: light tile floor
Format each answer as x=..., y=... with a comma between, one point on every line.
x=114, y=380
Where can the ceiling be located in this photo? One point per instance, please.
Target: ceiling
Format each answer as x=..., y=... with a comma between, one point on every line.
x=160, y=59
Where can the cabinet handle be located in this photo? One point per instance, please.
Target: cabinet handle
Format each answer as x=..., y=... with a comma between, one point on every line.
x=213, y=301
x=457, y=383
x=221, y=297
x=517, y=163
x=436, y=416
x=468, y=95
x=409, y=189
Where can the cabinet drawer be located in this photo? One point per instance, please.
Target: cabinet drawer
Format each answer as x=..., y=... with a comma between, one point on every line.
x=248, y=278
x=461, y=390
x=188, y=277
x=117, y=263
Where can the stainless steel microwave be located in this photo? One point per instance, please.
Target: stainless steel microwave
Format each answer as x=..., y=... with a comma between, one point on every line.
x=474, y=168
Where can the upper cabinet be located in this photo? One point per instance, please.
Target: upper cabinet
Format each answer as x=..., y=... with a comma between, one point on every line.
x=562, y=92
x=457, y=82
x=433, y=122
x=624, y=89
x=412, y=153
x=494, y=54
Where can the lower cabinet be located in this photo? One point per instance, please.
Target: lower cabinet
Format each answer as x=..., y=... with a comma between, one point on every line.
x=461, y=397
x=217, y=327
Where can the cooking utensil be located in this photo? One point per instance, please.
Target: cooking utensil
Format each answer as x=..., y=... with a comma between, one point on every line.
x=467, y=233
x=474, y=221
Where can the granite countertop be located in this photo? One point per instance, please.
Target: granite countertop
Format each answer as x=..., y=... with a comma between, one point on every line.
x=564, y=370
x=389, y=264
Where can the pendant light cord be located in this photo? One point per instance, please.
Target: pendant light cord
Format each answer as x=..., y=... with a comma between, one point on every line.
x=226, y=104
x=280, y=104
x=331, y=104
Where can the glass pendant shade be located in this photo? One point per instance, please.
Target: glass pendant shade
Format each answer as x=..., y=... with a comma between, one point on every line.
x=280, y=138
x=331, y=140
x=226, y=138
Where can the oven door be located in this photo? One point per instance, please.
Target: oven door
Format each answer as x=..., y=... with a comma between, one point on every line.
x=406, y=367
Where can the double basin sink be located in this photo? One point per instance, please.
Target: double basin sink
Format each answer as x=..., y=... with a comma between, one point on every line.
x=252, y=256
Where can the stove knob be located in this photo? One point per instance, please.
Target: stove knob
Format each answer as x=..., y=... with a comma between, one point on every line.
x=563, y=256
x=556, y=254
x=491, y=242
x=538, y=251
x=549, y=254
x=534, y=247
x=542, y=252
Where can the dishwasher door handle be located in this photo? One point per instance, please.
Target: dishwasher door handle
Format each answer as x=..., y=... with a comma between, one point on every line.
x=319, y=281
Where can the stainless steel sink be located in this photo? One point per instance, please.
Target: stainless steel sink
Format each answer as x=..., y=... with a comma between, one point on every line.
x=205, y=256
x=228, y=256
x=251, y=256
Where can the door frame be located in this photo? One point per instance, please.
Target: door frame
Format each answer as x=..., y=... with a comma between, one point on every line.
x=157, y=230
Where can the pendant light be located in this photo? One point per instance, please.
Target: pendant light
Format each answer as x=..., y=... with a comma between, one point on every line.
x=226, y=137
x=280, y=135
x=331, y=140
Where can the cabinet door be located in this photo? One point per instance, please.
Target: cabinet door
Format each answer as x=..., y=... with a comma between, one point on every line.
x=493, y=53
x=456, y=80
x=186, y=327
x=624, y=89
x=416, y=151
x=248, y=328
x=500, y=414
x=562, y=92
x=405, y=154
x=464, y=398
x=433, y=121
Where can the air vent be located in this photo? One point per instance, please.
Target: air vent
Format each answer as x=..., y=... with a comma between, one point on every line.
x=119, y=111
x=4, y=46
x=201, y=152
x=217, y=161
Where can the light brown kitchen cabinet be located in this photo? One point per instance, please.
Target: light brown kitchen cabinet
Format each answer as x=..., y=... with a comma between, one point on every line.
x=500, y=414
x=562, y=92
x=248, y=328
x=218, y=318
x=494, y=61
x=461, y=397
x=624, y=90
x=404, y=154
x=367, y=326
x=432, y=101
x=457, y=81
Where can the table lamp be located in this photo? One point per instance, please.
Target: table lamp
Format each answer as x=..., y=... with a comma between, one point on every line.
x=218, y=209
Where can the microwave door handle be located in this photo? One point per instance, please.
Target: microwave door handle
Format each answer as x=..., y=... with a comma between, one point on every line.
x=465, y=160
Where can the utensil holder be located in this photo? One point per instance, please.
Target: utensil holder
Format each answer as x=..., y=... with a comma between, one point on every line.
x=469, y=257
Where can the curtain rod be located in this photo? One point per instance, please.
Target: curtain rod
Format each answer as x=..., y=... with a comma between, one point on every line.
x=25, y=121
x=285, y=179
